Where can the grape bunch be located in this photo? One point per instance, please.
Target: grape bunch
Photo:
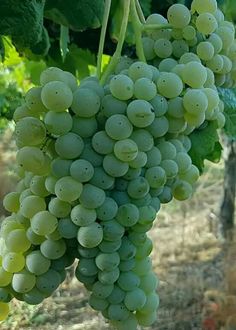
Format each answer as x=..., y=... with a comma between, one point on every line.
x=96, y=162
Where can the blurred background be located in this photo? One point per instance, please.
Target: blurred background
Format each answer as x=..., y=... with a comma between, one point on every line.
x=194, y=252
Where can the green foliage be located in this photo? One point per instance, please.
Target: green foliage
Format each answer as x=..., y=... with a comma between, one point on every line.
x=228, y=96
x=205, y=145
x=77, y=15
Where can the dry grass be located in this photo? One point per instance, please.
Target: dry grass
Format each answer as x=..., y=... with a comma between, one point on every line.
x=197, y=283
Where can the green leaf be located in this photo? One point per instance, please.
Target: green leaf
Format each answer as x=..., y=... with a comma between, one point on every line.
x=78, y=15
x=64, y=41
x=22, y=20
x=205, y=145
x=228, y=96
x=146, y=7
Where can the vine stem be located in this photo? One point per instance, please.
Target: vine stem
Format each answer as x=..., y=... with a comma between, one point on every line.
x=102, y=37
x=140, y=12
x=137, y=27
x=115, y=58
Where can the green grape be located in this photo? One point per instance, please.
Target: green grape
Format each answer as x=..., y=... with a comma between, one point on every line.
x=109, y=277
x=11, y=202
x=226, y=35
x=180, y=47
x=216, y=42
x=143, y=139
x=5, y=295
x=36, y=263
x=167, y=65
x=107, y=261
x=56, y=96
x=155, y=176
x=33, y=297
x=127, y=250
x=135, y=299
x=128, y=281
x=167, y=150
x=205, y=50
x=81, y=170
x=112, y=106
x=58, y=123
x=86, y=102
x=118, y=127
x=48, y=282
x=144, y=250
x=23, y=281
x=87, y=253
x=170, y=167
x=118, y=312
x=85, y=127
x=127, y=215
x=144, y=89
x=194, y=74
x=204, y=6
x=93, y=85
x=139, y=161
x=4, y=310
x=50, y=183
x=92, y=196
x=132, y=173
x=175, y=107
x=68, y=189
x=109, y=246
x=107, y=210
x=44, y=223
x=138, y=188
x=149, y=282
x=86, y=280
x=114, y=167
x=220, y=120
x=116, y=296
x=146, y=320
x=159, y=127
x=121, y=184
x=67, y=228
x=22, y=112
x=53, y=73
x=189, y=32
x=178, y=16
x=127, y=265
x=163, y=48
x=91, y=235
x=97, y=303
x=55, y=235
x=29, y=131
x=82, y=216
x=160, y=105
x=142, y=266
x=5, y=277
x=148, y=45
x=37, y=186
x=58, y=208
x=30, y=159
x=152, y=303
x=126, y=150
x=87, y=267
x=102, y=143
x=101, y=179
x=184, y=59
x=140, y=113
x=17, y=241
x=216, y=63
x=195, y=101
x=124, y=63
x=102, y=290
x=140, y=70
x=122, y=87
x=53, y=249
x=13, y=262
x=33, y=100
x=169, y=85
x=112, y=230
x=121, y=197
x=33, y=237
x=231, y=54
x=212, y=98
x=182, y=190
x=147, y=214
x=194, y=120
x=183, y=161
x=130, y=323
x=69, y=146
x=206, y=23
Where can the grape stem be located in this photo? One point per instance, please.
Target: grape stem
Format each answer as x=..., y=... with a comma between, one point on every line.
x=102, y=37
x=140, y=12
x=116, y=57
x=137, y=27
x=147, y=27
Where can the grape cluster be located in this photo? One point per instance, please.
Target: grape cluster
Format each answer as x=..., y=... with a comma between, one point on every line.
x=96, y=163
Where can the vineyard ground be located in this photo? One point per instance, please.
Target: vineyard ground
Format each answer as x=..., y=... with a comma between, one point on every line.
x=188, y=257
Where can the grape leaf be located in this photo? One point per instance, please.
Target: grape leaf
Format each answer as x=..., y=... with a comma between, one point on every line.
x=78, y=15
x=205, y=145
x=23, y=21
x=146, y=6
x=228, y=96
